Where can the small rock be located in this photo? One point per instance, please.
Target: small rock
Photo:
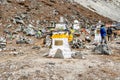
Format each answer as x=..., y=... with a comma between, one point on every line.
x=51, y=63
x=36, y=47
x=90, y=66
x=117, y=42
x=7, y=31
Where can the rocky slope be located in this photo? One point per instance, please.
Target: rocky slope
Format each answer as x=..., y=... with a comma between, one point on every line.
x=107, y=8
x=41, y=11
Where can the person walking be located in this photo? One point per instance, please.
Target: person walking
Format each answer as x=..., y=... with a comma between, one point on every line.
x=109, y=33
x=103, y=34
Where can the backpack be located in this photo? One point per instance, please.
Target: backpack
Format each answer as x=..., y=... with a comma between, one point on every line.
x=109, y=31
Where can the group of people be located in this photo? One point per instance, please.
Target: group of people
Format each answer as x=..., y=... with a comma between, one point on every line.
x=101, y=33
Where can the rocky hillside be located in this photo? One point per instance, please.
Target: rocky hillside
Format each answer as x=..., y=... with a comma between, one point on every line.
x=108, y=8
x=43, y=11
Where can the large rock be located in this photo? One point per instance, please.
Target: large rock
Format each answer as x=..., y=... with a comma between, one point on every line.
x=102, y=49
x=59, y=54
x=18, y=20
x=77, y=44
x=77, y=55
x=48, y=41
x=29, y=30
x=7, y=31
x=2, y=46
x=20, y=28
x=2, y=43
x=24, y=40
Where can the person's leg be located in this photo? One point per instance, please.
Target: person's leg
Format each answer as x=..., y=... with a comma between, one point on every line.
x=101, y=39
x=105, y=41
x=111, y=37
x=108, y=37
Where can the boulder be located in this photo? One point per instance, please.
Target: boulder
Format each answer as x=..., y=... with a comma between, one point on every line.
x=2, y=43
x=24, y=40
x=38, y=34
x=18, y=20
x=19, y=29
x=29, y=30
x=7, y=31
x=9, y=26
x=2, y=46
x=48, y=41
x=77, y=55
x=102, y=49
x=77, y=44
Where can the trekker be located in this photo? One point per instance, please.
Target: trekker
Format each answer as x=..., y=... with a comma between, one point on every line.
x=97, y=38
x=109, y=33
x=103, y=34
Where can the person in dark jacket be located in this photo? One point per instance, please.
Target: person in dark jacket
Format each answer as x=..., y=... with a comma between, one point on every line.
x=103, y=34
x=109, y=33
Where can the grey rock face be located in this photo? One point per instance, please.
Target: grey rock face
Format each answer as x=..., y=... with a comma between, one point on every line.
x=102, y=49
x=59, y=54
x=106, y=8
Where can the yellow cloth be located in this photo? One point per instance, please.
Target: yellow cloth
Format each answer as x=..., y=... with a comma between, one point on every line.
x=70, y=37
x=72, y=31
x=60, y=36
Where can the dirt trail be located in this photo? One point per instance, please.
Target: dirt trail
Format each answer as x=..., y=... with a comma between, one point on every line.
x=32, y=65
